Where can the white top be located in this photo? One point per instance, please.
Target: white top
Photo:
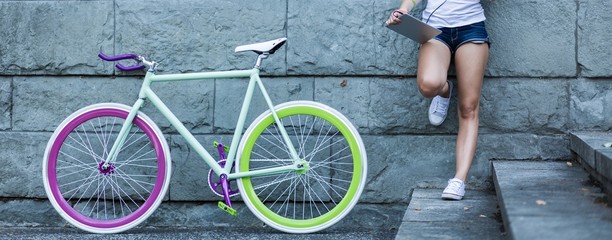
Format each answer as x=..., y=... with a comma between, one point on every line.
x=453, y=13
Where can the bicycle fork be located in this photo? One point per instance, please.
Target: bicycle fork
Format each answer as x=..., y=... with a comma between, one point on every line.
x=123, y=133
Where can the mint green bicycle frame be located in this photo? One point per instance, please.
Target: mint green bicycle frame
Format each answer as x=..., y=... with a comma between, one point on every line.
x=147, y=93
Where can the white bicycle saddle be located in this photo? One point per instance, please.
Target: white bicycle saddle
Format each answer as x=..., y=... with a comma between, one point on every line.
x=263, y=47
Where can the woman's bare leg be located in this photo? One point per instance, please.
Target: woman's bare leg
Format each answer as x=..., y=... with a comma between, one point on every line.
x=470, y=62
x=434, y=59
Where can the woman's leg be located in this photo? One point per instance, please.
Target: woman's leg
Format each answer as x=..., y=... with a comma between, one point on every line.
x=470, y=62
x=434, y=59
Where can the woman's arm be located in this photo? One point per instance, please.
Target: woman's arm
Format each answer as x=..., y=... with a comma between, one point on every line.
x=409, y=4
x=404, y=8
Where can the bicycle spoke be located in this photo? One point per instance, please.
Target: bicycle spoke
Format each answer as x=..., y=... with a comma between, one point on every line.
x=334, y=161
x=126, y=177
x=81, y=165
x=85, y=180
x=89, y=153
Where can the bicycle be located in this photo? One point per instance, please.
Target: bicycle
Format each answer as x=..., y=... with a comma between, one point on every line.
x=300, y=166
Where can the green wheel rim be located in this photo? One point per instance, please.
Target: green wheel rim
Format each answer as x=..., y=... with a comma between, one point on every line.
x=355, y=181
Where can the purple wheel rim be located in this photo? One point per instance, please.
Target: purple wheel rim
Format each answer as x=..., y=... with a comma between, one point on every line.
x=159, y=182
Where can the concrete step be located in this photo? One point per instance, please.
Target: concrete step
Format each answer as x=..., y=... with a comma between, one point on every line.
x=430, y=217
x=550, y=200
x=593, y=151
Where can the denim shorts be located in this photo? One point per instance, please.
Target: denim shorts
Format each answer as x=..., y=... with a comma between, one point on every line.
x=457, y=36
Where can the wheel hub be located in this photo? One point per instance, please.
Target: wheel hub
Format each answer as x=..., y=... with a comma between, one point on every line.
x=303, y=166
x=109, y=169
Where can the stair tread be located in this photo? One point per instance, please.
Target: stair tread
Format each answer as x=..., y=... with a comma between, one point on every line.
x=550, y=200
x=430, y=217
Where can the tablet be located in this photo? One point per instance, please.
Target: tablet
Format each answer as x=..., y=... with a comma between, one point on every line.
x=414, y=29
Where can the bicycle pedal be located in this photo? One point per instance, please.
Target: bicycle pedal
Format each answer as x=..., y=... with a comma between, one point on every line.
x=227, y=209
x=216, y=144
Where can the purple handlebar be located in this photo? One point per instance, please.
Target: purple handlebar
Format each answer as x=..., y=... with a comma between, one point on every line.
x=129, y=68
x=118, y=57
x=122, y=57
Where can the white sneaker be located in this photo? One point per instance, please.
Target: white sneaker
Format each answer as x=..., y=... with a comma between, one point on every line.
x=455, y=190
x=439, y=107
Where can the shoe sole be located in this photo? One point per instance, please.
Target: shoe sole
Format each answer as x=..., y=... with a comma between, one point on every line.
x=436, y=124
x=448, y=196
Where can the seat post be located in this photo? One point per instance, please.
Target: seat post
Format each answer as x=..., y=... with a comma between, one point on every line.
x=260, y=58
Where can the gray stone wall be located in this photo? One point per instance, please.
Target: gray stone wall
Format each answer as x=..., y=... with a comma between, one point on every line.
x=548, y=74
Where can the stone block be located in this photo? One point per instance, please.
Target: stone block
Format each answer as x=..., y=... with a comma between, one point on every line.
x=591, y=151
x=189, y=180
x=583, y=151
x=36, y=100
x=397, y=107
x=524, y=105
x=555, y=227
x=6, y=103
x=191, y=101
x=429, y=217
x=230, y=96
x=349, y=96
x=517, y=146
x=42, y=103
x=593, y=37
x=554, y=147
x=331, y=37
x=22, y=153
x=507, y=146
x=589, y=105
x=397, y=164
x=527, y=35
x=433, y=209
x=188, y=36
x=585, y=144
x=29, y=213
x=55, y=37
x=520, y=184
x=603, y=159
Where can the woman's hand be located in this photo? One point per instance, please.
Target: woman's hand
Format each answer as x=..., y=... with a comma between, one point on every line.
x=395, y=15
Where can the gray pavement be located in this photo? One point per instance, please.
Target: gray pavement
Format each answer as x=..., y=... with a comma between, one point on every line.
x=190, y=233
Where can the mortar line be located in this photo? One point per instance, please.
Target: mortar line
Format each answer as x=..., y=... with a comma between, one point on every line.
x=114, y=32
x=314, y=88
x=546, y=78
x=568, y=98
x=576, y=44
x=214, y=107
x=286, y=35
x=11, y=102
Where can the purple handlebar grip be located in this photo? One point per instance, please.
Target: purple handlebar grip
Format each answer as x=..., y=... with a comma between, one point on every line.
x=129, y=68
x=118, y=57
